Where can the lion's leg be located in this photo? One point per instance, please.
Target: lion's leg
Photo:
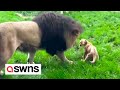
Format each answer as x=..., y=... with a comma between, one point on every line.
x=63, y=57
x=31, y=57
x=2, y=64
x=7, y=48
x=3, y=60
x=4, y=57
x=28, y=56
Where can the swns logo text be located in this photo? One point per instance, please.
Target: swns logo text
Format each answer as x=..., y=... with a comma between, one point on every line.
x=22, y=69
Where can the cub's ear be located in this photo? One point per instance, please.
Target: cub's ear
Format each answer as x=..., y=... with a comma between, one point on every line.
x=75, y=32
x=85, y=42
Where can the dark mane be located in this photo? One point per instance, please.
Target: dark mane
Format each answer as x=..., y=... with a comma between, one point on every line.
x=53, y=27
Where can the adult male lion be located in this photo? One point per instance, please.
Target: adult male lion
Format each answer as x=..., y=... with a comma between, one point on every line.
x=49, y=31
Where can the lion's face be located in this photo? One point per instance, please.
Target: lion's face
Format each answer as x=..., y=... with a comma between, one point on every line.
x=71, y=37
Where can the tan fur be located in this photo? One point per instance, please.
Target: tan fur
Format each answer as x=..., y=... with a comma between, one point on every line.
x=90, y=50
x=25, y=31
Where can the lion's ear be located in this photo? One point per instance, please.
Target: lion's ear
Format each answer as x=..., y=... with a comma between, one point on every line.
x=75, y=32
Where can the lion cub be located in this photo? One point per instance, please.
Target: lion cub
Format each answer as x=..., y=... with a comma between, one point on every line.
x=90, y=51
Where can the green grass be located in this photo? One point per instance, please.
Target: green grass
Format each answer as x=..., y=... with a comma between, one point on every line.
x=100, y=28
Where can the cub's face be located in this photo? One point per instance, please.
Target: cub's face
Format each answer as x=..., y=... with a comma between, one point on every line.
x=83, y=42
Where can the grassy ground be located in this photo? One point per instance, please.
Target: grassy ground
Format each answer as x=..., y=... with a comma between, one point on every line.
x=100, y=28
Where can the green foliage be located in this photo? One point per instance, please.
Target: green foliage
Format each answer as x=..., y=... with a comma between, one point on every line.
x=100, y=28
x=9, y=16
